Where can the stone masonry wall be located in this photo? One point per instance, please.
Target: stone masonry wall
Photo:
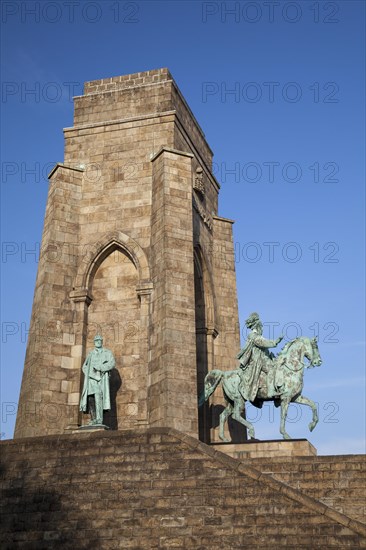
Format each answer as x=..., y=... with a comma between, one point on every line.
x=154, y=489
x=172, y=394
x=48, y=388
x=338, y=481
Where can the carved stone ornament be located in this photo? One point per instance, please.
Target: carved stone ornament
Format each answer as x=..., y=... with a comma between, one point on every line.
x=198, y=184
x=206, y=218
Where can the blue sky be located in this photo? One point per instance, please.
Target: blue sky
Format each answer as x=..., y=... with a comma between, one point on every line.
x=278, y=89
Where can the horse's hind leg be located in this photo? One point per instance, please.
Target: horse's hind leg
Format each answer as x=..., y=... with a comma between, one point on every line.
x=223, y=419
x=306, y=401
x=238, y=409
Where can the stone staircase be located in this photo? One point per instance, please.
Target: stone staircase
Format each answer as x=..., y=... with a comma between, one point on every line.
x=161, y=489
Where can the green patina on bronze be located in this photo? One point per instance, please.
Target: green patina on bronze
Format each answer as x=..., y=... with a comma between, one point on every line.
x=264, y=377
x=95, y=397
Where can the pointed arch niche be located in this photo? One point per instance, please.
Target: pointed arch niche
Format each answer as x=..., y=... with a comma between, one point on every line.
x=112, y=298
x=205, y=334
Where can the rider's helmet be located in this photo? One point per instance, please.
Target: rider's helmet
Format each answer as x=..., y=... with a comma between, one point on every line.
x=252, y=320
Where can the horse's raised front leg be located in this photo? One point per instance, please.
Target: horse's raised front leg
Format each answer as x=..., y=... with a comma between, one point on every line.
x=238, y=409
x=284, y=408
x=223, y=419
x=306, y=401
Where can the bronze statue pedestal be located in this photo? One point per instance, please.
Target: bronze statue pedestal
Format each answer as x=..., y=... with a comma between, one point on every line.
x=267, y=449
x=92, y=428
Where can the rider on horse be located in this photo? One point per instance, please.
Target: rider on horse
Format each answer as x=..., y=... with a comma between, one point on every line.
x=264, y=377
x=255, y=357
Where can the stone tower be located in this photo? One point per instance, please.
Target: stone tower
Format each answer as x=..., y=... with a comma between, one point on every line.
x=132, y=248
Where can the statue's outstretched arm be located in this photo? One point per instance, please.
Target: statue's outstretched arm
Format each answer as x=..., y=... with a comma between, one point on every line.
x=264, y=343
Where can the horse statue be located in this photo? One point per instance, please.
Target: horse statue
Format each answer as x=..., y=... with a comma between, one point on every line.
x=283, y=384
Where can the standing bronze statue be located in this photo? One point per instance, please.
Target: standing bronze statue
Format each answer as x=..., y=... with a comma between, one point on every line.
x=95, y=397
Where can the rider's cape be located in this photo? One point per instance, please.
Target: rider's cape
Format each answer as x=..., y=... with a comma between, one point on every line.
x=251, y=370
x=245, y=354
x=253, y=358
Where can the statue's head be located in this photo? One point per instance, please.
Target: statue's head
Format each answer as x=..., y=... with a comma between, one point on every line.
x=98, y=341
x=254, y=322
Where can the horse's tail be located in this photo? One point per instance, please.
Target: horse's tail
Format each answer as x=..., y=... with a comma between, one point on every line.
x=212, y=380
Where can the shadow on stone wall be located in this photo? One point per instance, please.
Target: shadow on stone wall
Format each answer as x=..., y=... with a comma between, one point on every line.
x=36, y=518
x=111, y=417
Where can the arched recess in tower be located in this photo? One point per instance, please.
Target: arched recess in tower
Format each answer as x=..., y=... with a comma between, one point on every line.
x=115, y=313
x=205, y=334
